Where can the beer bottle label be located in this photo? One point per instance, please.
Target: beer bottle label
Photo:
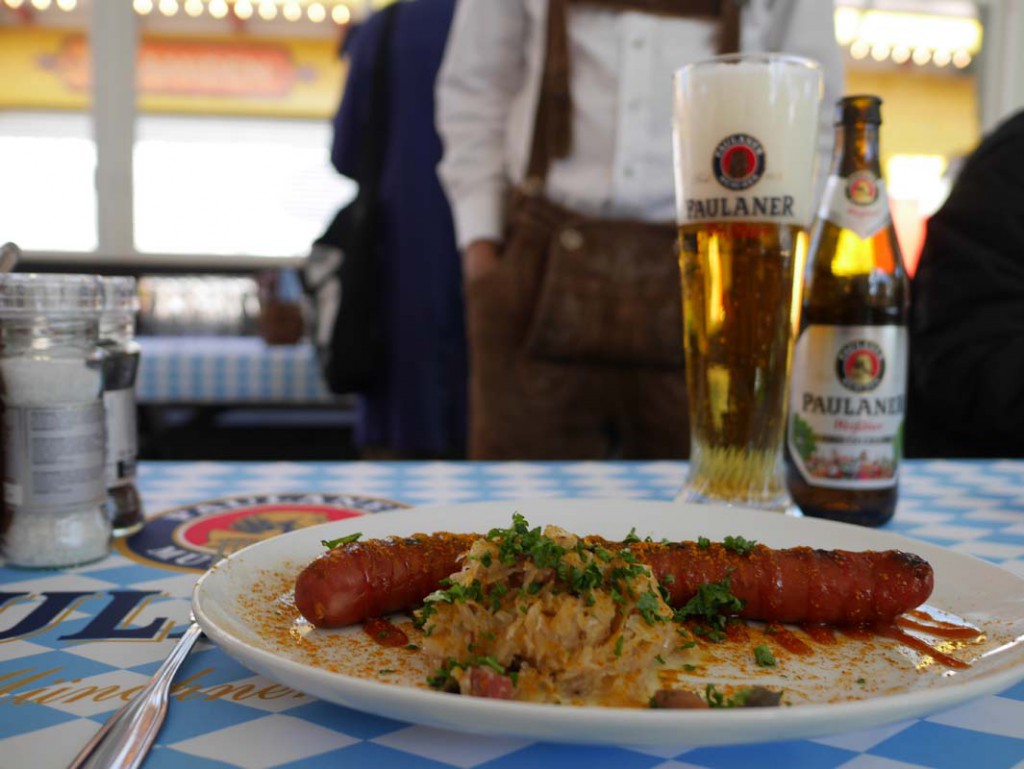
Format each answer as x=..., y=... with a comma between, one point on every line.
x=857, y=202
x=847, y=402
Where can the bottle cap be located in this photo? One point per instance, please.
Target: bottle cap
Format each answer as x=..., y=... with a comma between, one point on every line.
x=859, y=109
x=27, y=295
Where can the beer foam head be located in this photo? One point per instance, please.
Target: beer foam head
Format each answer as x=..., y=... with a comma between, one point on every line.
x=745, y=136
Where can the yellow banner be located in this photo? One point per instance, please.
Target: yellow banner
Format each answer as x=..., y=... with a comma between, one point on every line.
x=50, y=69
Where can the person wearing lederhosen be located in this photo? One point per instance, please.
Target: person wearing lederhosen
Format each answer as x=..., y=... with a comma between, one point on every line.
x=556, y=122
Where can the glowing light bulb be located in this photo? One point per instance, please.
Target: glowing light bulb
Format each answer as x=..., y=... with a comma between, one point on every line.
x=243, y=9
x=922, y=56
x=316, y=12
x=859, y=49
x=67, y=5
x=942, y=58
x=267, y=10
x=901, y=54
x=40, y=5
x=961, y=59
x=292, y=11
x=15, y=4
x=143, y=7
x=341, y=14
x=879, y=52
x=194, y=8
x=168, y=7
x=218, y=8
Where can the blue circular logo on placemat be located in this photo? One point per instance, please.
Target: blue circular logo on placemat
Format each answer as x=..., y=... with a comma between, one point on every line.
x=193, y=537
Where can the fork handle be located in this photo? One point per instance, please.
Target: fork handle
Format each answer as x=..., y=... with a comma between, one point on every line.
x=125, y=739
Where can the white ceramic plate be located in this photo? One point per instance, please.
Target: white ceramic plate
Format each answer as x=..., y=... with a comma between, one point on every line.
x=900, y=683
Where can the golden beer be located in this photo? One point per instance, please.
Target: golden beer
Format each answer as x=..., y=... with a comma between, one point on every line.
x=745, y=133
x=740, y=313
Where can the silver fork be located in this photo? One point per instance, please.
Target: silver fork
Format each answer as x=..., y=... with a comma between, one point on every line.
x=125, y=739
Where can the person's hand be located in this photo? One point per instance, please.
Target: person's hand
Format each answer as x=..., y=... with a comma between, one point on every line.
x=479, y=258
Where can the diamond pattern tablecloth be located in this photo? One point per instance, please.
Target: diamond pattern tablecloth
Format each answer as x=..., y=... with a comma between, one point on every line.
x=228, y=370
x=56, y=689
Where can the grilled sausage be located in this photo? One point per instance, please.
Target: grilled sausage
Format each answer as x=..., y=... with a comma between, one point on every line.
x=360, y=580
x=797, y=584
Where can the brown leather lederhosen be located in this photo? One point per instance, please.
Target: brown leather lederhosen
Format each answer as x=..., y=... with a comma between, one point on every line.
x=536, y=392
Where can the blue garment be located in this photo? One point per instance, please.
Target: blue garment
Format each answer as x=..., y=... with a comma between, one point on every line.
x=421, y=407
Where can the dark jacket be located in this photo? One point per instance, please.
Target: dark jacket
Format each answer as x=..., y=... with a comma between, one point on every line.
x=967, y=318
x=420, y=410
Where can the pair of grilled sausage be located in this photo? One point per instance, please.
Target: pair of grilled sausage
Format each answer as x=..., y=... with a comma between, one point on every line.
x=360, y=580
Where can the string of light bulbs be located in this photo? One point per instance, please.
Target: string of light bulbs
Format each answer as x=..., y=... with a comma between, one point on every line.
x=316, y=11
x=899, y=37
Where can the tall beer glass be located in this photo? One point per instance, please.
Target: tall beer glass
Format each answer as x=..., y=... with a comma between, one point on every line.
x=745, y=136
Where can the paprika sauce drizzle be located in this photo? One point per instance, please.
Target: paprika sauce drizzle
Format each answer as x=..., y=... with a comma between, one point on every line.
x=787, y=639
x=385, y=633
x=911, y=621
x=897, y=630
x=822, y=634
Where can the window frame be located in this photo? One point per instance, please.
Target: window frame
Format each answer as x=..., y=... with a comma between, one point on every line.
x=114, y=39
x=114, y=34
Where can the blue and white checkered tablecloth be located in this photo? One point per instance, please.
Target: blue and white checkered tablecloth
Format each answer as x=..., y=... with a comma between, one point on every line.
x=110, y=625
x=228, y=369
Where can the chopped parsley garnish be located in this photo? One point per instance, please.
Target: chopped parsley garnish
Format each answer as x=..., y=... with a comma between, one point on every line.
x=862, y=680
x=385, y=671
x=763, y=656
x=631, y=537
x=492, y=663
x=521, y=541
x=443, y=677
x=412, y=647
x=714, y=603
x=618, y=645
x=703, y=543
x=579, y=578
x=648, y=604
x=739, y=545
x=710, y=633
x=330, y=544
x=717, y=699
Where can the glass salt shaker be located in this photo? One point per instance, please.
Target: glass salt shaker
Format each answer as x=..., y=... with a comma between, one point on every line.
x=51, y=387
x=120, y=367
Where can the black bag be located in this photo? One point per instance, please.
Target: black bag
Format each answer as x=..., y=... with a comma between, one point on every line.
x=342, y=274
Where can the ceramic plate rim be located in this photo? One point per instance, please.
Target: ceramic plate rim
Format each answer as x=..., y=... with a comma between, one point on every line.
x=594, y=725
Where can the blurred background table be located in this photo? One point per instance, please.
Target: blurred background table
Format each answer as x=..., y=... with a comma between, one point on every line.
x=214, y=396
x=57, y=687
x=228, y=370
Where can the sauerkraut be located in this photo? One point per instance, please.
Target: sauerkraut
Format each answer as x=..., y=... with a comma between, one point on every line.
x=545, y=616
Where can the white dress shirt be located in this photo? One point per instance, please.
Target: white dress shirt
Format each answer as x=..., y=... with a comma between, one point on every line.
x=621, y=64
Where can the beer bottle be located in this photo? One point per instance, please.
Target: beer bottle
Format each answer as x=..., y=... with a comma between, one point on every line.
x=848, y=387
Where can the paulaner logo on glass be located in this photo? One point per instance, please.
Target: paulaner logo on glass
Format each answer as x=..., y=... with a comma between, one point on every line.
x=738, y=163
